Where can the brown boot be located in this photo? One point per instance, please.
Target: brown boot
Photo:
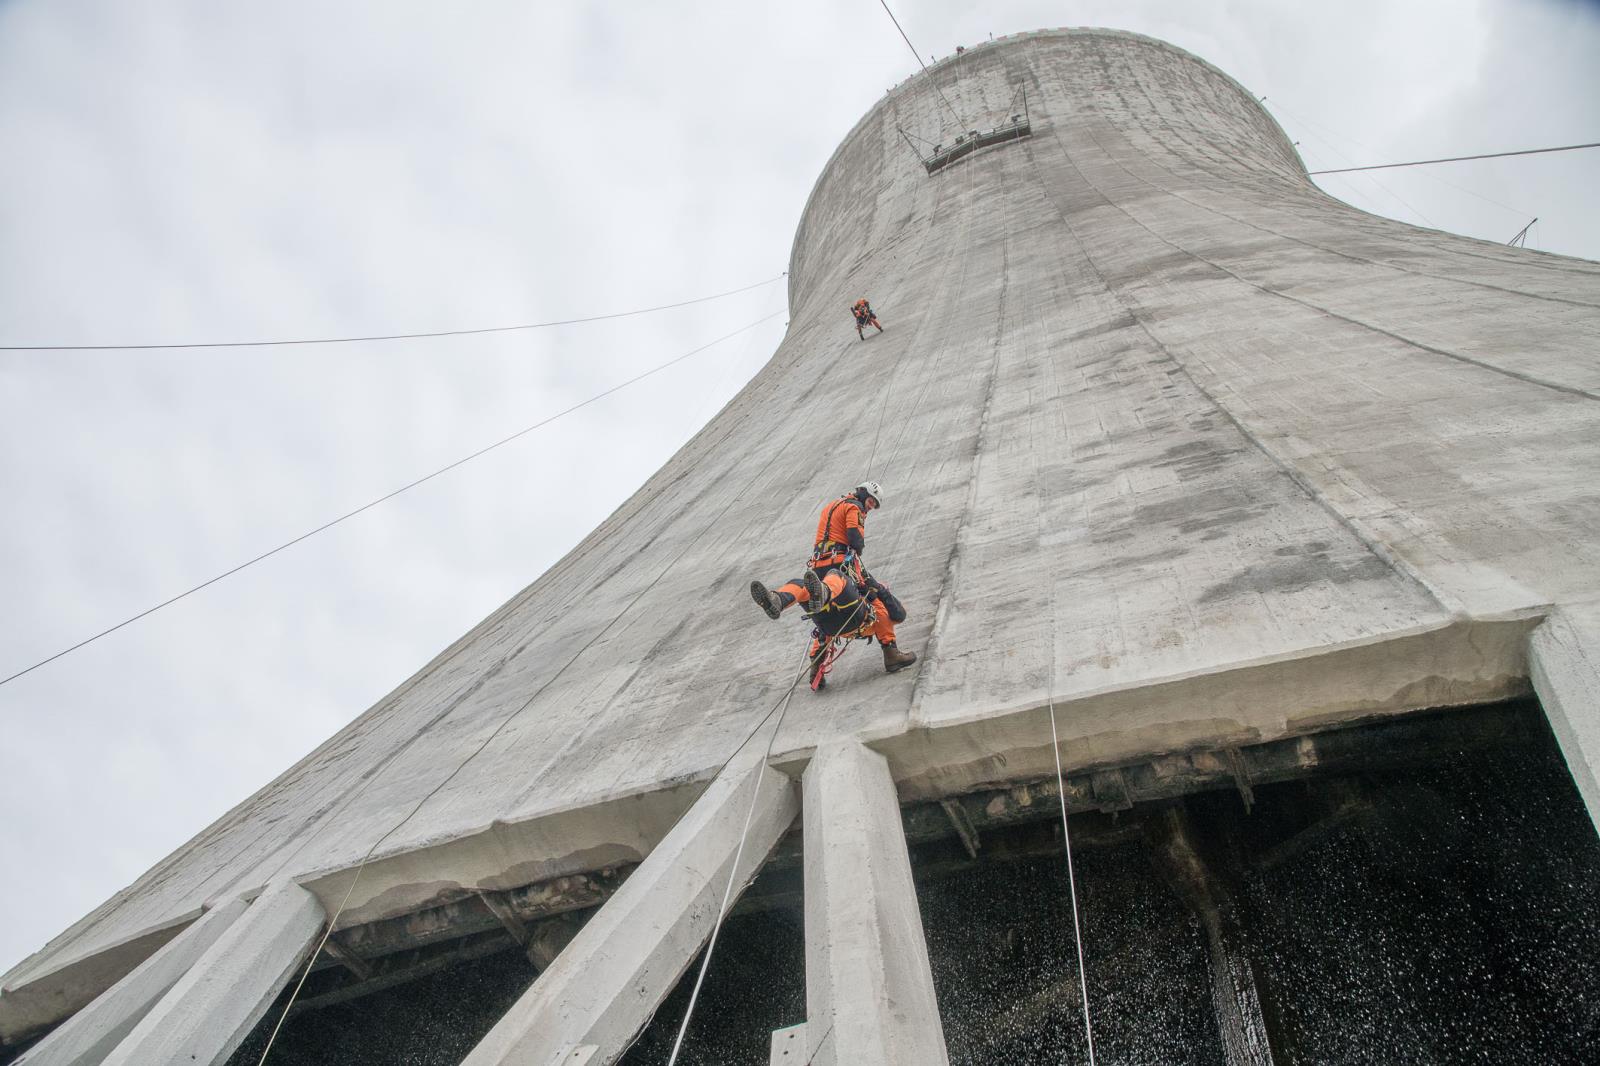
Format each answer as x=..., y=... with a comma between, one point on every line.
x=819, y=592
x=771, y=602
x=895, y=659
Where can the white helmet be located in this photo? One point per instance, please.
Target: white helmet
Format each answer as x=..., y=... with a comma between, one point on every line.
x=871, y=488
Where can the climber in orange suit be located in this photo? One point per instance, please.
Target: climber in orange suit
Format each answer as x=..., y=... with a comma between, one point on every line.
x=836, y=587
x=865, y=317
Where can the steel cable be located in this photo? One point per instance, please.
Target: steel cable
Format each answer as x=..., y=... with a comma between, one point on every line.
x=1459, y=158
x=379, y=337
x=386, y=497
x=960, y=122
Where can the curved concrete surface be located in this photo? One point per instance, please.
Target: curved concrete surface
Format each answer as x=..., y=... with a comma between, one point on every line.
x=1167, y=435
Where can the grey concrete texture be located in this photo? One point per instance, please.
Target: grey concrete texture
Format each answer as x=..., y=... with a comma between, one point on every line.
x=215, y=1004
x=1565, y=665
x=869, y=985
x=1150, y=410
x=604, y=985
x=788, y=1046
x=93, y=1032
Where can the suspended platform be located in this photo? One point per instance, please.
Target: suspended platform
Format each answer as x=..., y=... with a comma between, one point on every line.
x=973, y=140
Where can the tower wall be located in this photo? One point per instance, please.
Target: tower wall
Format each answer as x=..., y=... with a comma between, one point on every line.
x=1169, y=439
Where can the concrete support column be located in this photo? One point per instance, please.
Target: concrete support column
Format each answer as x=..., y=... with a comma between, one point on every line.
x=1564, y=661
x=788, y=1046
x=1235, y=997
x=869, y=989
x=88, y=1036
x=600, y=990
x=213, y=1007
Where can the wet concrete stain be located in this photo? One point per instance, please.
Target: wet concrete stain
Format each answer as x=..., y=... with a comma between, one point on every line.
x=1100, y=329
x=1293, y=573
x=1193, y=459
x=1198, y=511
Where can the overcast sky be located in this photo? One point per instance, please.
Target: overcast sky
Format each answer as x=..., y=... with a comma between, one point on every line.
x=197, y=171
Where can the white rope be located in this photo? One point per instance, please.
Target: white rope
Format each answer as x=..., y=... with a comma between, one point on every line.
x=1072, y=880
x=333, y=921
x=1061, y=783
x=733, y=871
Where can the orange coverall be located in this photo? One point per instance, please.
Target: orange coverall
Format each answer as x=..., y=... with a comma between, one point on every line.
x=841, y=528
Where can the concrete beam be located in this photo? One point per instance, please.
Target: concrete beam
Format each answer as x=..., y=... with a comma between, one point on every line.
x=869, y=989
x=788, y=1046
x=527, y=905
x=88, y=1036
x=404, y=967
x=507, y=916
x=601, y=989
x=213, y=1006
x=1461, y=662
x=1235, y=998
x=550, y=938
x=1564, y=661
x=45, y=989
x=957, y=814
x=358, y=966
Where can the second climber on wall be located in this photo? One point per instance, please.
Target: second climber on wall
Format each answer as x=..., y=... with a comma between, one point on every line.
x=865, y=317
x=838, y=593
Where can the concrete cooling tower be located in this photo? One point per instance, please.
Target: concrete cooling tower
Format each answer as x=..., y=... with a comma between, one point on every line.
x=1277, y=523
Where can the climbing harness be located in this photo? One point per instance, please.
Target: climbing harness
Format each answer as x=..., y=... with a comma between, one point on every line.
x=826, y=647
x=569, y=601
x=705, y=959
x=828, y=552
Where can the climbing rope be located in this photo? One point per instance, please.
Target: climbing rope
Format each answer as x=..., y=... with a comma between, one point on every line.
x=733, y=871
x=927, y=377
x=1055, y=739
x=714, y=520
x=1072, y=880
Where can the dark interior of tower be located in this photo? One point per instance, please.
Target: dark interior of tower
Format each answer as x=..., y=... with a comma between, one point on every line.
x=1426, y=892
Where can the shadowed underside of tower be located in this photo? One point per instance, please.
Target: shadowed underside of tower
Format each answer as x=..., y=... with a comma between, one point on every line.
x=1168, y=438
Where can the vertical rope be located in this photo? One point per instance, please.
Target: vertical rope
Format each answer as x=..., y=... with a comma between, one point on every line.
x=1055, y=750
x=733, y=871
x=727, y=893
x=1072, y=881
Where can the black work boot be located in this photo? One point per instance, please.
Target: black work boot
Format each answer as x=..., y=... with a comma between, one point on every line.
x=771, y=602
x=816, y=590
x=895, y=659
